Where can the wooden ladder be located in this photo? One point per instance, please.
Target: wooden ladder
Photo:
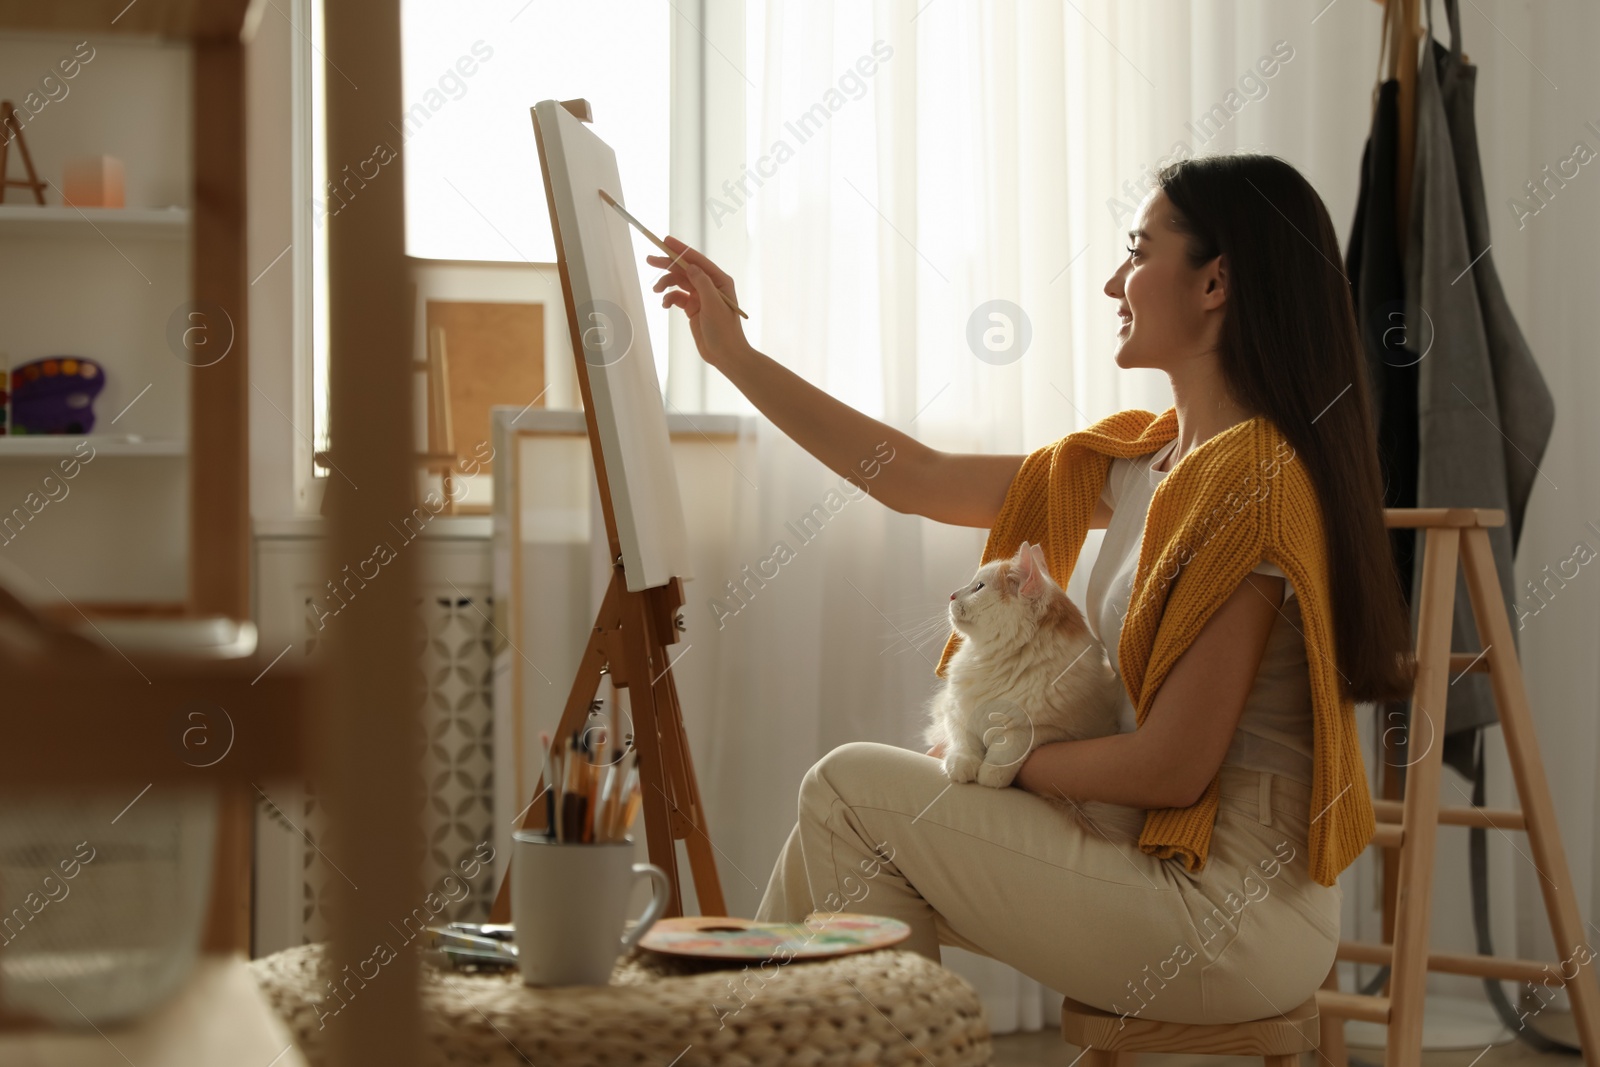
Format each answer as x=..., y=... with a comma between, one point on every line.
x=1408, y=826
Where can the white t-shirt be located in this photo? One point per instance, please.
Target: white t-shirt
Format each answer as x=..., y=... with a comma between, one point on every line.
x=1275, y=728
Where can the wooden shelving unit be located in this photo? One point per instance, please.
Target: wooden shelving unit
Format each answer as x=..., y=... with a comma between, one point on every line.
x=82, y=718
x=88, y=719
x=105, y=284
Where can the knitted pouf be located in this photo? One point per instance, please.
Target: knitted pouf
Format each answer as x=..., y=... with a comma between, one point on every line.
x=870, y=1008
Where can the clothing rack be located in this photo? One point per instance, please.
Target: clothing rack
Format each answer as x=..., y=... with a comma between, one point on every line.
x=1402, y=34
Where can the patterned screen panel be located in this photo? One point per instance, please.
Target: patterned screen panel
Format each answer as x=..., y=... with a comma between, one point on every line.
x=457, y=723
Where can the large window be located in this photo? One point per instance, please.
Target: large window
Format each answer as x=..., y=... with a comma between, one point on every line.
x=471, y=72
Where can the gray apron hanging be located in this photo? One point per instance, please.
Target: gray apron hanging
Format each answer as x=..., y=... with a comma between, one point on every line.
x=1463, y=398
x=1527, y=412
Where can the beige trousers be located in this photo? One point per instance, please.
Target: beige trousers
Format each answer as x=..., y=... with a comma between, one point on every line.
x=1010, y=875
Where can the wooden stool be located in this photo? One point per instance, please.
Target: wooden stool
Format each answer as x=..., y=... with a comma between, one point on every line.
x=1109, y=1040
x=1408, y=826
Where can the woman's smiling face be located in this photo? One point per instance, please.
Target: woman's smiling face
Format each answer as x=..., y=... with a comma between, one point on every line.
x=1165, y=306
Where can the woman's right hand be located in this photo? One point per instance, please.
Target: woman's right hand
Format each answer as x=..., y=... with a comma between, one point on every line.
x=691, y=281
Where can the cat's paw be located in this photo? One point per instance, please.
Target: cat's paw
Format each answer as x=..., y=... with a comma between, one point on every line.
x=961, y=766
x=998, y=775
x=1009, y=747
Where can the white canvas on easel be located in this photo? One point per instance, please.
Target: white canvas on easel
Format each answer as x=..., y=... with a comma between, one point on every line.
x=640, y=615
x=598, y=249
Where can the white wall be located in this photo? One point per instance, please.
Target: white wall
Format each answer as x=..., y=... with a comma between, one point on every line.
x=1536, y=98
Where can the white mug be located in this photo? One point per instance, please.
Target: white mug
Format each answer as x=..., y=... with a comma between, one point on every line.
x=569, y=901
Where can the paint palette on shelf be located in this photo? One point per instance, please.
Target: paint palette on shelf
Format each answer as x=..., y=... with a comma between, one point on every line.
x=55, y=395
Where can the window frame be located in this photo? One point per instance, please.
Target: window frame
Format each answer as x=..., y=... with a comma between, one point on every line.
x=692, y=143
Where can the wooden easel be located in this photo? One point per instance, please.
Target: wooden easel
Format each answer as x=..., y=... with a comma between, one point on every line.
x=629, y=643
x=1408, y=827
x=11, y=130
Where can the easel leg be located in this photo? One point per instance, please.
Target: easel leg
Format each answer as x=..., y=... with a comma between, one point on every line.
x=647, y=727
x=1533, y=789
x=703, y=864
x=690, y=823
x=1408, y=976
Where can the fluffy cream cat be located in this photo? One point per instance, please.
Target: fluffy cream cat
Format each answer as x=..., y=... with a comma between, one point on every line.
x=1027, y=672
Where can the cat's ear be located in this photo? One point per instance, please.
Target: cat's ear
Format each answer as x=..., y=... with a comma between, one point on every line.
x=1028, y=571
x=1039, y=563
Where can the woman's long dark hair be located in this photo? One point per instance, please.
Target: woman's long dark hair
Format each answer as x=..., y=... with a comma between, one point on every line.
x=1290, y=350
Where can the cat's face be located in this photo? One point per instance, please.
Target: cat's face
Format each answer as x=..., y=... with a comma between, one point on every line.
x=1008, y=598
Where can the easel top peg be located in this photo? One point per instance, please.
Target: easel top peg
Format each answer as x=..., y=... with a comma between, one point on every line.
x=1461, y=518
x=579, y=107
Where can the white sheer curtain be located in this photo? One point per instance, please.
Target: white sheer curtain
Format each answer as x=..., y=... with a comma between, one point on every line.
x=985, y=159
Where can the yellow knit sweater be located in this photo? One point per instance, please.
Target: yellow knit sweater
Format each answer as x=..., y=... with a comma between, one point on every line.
x=1238, y=498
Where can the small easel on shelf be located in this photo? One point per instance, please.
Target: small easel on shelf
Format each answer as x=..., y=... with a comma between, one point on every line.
x=629, y=644
x=11, y=131
x=1407, y=828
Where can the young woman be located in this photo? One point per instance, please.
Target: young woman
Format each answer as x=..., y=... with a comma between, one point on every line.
x=1232, y=286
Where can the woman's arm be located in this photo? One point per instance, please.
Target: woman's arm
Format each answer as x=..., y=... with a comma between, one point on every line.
x=1169, y=761
x=901, y=472
x=963, y=489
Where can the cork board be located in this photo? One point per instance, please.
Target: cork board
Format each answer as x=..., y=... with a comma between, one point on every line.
x=496, y=356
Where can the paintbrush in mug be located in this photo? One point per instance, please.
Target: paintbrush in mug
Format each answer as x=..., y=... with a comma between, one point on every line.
x=591, y=782
x=659, y=243
x=625, y=803
x=611, y=791
x=635, y=796
x=560, y=786
x=606, y=801
x=575, y=802
x=564, y=792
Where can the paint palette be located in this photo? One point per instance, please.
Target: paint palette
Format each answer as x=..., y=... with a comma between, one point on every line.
x=821, y=935
x=55, y=395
